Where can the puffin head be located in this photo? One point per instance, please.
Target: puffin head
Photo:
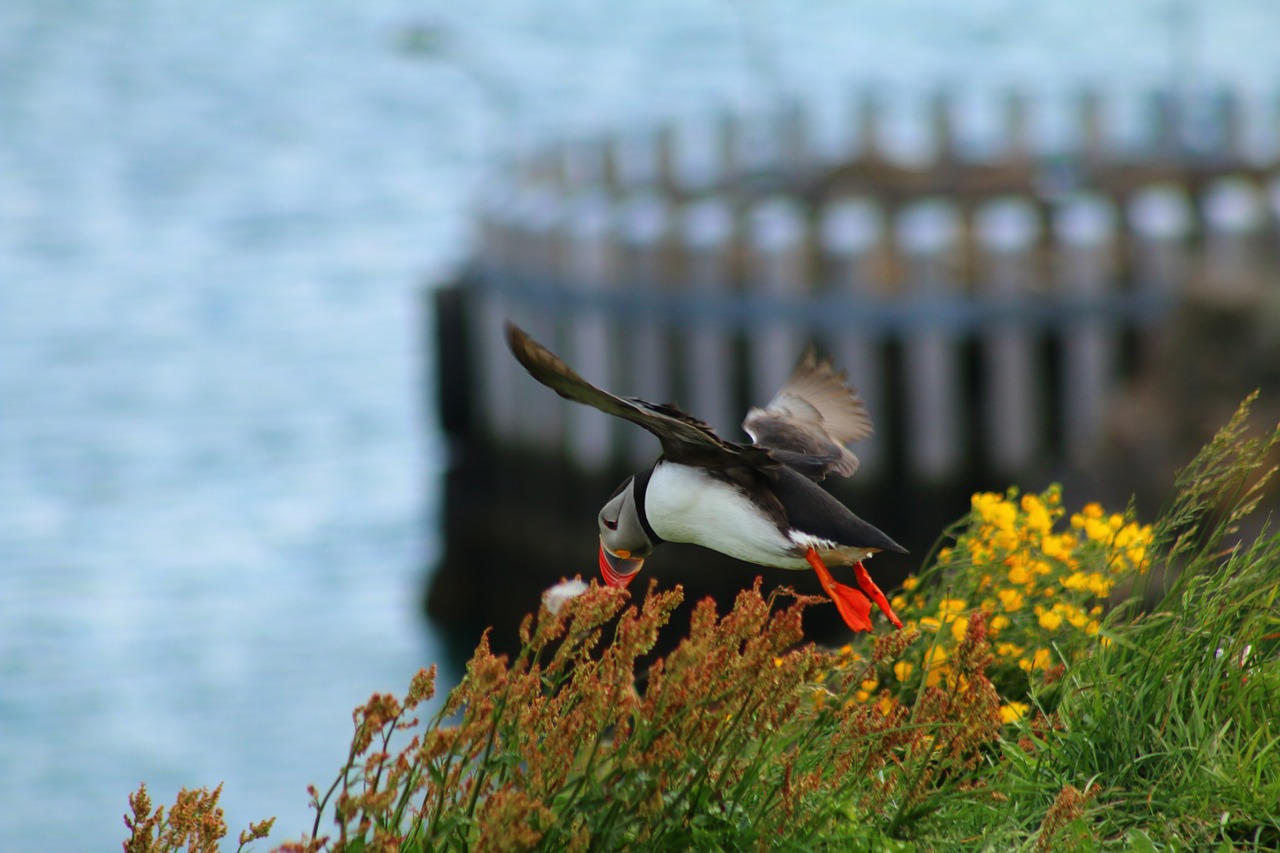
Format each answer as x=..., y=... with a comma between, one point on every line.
x=624, y=545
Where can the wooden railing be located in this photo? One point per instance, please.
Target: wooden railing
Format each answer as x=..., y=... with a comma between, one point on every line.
x=983, y=302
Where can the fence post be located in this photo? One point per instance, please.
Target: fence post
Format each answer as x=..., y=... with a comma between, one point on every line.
x=1160, y=222
x=540, y=259
x=927, y=232
x=1085, y=231
x=644, y=228
x=728, y=149
x=1273, y=200
x=635, y=163
x=942, y=122
x=1008, y=235
x=1168, y=124
x=1228, y=119
x=592, y=267
x=852, y=232
x=1019, y=144
x=1160, y=219
x=1234, y=216
x=793, y=146
x=495, y=376
x=868, y=121
x=1092, y=143
x=664, y=158
x=777, y=248
x=705, y=237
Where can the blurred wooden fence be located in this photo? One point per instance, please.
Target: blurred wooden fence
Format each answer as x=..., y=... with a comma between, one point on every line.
x=986, y=303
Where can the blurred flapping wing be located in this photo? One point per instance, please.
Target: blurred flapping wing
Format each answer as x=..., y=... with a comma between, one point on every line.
x=809, y=422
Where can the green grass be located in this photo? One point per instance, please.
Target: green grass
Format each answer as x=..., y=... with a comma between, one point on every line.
x=989, y=724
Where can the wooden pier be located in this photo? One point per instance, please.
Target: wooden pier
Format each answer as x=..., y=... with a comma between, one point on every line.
x=988, y=305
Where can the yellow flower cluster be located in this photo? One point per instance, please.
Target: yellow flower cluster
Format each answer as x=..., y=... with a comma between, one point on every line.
x=1042, y=584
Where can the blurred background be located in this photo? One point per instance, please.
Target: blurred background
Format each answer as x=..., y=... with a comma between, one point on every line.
x=220, y=462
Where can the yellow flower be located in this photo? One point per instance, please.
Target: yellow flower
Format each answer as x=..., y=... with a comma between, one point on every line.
x=1010, y=599
x=1074, y=615
x=912, y=582
x=951, y=607
x=930, y=624
x=1058, y=547
x=978, y=552
x=902, y=670
x=1008, y=650
x=1099, y=585
x=1013, y=712
x=994, y=510
x=1038, y=519
x=959, y=627
x=998, y=624
x=936, y=661
x=1097, y=530
x=1050, y=620
x=1018, y=574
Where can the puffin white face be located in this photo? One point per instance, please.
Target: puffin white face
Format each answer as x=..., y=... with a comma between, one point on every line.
x=623, y=543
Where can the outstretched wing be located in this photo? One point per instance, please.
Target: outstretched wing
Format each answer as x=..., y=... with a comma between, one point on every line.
x=684, y=438
x=809, y=422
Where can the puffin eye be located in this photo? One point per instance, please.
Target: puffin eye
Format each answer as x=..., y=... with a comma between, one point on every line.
x=612, y=525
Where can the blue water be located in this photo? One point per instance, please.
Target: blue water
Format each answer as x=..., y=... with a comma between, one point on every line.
x=218, y=477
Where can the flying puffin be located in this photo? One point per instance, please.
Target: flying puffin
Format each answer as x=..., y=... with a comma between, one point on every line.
x=758, y=502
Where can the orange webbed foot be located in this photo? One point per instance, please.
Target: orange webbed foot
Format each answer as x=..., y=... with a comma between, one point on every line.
x=853, y=606
x=869, y=587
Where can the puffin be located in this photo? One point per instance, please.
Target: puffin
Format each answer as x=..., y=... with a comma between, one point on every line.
x=758, y=502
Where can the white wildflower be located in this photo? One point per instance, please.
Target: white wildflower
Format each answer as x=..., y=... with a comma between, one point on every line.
x=555, y=597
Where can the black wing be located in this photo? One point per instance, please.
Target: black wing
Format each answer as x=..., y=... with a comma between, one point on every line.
x=813, y=510
x=810, y=420
x=684, y=438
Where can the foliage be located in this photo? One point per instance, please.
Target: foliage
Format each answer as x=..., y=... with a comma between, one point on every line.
x=1030, y=703
x=736, y=743
x=1044, y=590
x=194, y=821
x=1175, y=726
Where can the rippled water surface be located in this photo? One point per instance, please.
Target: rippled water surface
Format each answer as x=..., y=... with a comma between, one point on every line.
x=217, y=483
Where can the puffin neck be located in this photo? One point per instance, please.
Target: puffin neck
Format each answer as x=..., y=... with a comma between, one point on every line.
x=640, y=486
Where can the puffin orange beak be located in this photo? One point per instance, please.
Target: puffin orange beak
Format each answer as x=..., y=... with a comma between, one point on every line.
x=619, y=569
